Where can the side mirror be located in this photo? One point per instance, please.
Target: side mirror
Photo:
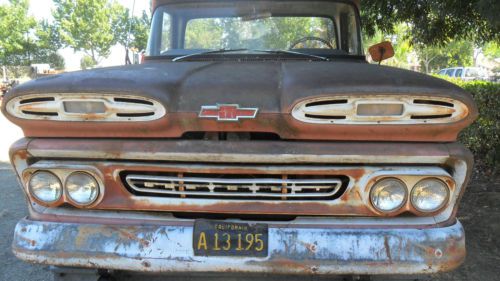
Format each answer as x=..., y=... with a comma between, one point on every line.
x=381, y=51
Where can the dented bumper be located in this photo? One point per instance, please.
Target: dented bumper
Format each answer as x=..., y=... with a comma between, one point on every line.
x=293, y=249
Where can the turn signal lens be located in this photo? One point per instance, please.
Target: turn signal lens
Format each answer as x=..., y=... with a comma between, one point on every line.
x=388, y=195
x=429, y=195
x=380, y=109
x=45, y=187
x=82, y=188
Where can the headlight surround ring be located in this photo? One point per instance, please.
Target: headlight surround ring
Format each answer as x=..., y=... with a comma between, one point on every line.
x=378, y=188
x=80, y=185
x=55, y=185
x=420, y=188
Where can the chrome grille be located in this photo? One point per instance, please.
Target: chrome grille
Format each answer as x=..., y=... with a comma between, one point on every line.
x=234, y=187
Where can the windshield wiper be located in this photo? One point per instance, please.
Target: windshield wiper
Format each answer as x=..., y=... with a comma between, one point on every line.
x=221, y=51
x=289, y=52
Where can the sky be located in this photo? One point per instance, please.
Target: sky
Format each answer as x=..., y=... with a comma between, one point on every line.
x=42, y=9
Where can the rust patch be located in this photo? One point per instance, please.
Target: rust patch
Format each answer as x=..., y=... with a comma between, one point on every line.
x=387, y=249
x=86, y=232
x=175, y=124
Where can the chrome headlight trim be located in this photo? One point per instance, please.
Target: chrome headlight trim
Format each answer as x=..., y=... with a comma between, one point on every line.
x=414, y=196
x=375, y=197
x=63, y=172
x=71, y=193
x=56, y=181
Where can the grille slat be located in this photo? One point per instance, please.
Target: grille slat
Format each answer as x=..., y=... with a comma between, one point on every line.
x=260, y=187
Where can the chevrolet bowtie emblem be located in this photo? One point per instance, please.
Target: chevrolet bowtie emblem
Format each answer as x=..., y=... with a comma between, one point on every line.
x=227, y=112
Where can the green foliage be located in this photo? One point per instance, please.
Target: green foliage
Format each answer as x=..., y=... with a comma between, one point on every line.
x=483, y=137
x=87, y=62
x=430, y=57
x=15, y=27
x=492, y=50
x=266, y=33
x=139, y=31
x=203, y=34
x=435, y=22
x=132, y=31
x=91, y=26
x=24, y=41
x=48, y=42
x=55, y=60
x=454, y=53
x=402, y=46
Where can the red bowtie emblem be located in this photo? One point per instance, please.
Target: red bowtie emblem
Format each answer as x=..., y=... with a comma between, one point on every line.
x=227, y=112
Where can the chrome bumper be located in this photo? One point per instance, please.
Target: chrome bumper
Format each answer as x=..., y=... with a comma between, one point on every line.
x=293, y=249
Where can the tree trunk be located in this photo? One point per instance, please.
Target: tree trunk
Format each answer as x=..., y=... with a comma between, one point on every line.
x=93, y=56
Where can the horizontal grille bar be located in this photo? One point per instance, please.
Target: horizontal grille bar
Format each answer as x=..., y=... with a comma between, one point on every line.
x=226, y=188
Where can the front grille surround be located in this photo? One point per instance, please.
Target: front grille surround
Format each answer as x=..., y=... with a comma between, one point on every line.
x=253, y=187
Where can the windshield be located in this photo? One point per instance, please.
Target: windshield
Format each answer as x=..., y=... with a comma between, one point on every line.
x=313, y=27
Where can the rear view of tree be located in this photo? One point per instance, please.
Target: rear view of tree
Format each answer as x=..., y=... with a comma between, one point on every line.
x=88, y=25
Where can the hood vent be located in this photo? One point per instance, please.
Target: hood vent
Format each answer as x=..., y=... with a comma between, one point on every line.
x=85, y=107
x=380, y=110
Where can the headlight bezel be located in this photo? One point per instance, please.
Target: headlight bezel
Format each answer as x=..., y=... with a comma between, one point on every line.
x=411, y=178
x=437, y=209
x=62, y=172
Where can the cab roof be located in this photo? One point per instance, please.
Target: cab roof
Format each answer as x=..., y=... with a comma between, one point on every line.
x=156, y=3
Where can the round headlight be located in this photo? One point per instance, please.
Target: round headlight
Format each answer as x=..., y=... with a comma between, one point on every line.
x=82, y=188
x=45, y=187
x=388, y=194
x=429, y=195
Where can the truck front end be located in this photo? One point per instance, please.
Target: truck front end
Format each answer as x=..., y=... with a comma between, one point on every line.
x=254, y=140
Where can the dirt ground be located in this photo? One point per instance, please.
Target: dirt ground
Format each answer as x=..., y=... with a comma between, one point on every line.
x=479, y=213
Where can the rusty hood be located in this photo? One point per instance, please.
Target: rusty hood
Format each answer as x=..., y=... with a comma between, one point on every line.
x=274, y=87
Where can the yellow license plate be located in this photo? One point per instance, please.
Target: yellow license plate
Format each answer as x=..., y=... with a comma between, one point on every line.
x=219, y=238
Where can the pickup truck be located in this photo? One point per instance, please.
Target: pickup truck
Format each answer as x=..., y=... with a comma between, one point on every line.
x=255, y=141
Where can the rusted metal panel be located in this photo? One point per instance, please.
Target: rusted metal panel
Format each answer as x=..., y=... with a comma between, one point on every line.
x=174, y=125
x=291, y=250
x=243, y=151
x=130, y=217
x=273, y=88
x=353, y=202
